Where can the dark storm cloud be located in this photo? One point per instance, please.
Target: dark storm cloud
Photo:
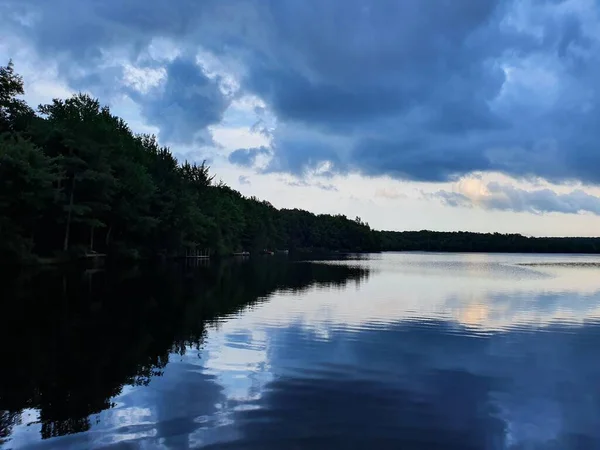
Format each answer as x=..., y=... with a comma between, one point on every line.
x=508, y=198
x=184, y=104
x=416, y=90
x=417, y=158
x=246, y=157
x=296, y=153
x=83, y=30
x=338, y=65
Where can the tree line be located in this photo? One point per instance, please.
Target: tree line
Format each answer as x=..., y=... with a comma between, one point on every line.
x=75, y=179
x=461, y=241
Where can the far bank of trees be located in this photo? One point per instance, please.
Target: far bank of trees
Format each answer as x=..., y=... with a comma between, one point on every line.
x=74, y=179
x=460, y=241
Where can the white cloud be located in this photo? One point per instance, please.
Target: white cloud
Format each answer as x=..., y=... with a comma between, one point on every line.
x=493, y=195
x=142, y=79
x=233, y=138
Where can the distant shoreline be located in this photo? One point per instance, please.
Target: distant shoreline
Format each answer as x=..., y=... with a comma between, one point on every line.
x=462, y=241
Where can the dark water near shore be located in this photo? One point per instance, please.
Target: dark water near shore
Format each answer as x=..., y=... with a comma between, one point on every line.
x=410, y=351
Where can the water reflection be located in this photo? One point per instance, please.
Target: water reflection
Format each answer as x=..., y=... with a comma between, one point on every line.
x=72, y=340
x=394, y=351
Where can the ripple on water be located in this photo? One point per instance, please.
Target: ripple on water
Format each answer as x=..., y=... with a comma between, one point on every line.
x=427, y=351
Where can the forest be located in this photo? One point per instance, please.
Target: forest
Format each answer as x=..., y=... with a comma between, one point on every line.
x=461, y=241
x=75, y=181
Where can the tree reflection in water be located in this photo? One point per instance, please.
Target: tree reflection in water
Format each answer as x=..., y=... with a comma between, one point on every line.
x=73, y=339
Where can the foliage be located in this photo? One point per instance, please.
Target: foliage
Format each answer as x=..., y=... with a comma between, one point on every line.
x=13, y=111
x=75, y=179
x=434, y=241
x=27, y=175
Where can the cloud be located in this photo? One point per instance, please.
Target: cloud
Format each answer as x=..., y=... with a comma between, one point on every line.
x=244, y=180
x=317, y=184
x=453, y=199
x=503, y=197
x=390, y=193
x=185, y=104
x=246, y=157
x=426, y=92
x=232, y=138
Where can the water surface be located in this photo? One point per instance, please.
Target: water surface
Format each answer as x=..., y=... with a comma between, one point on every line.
x=405, y=350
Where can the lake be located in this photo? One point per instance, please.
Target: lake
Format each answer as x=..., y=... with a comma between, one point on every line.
x=395, y=350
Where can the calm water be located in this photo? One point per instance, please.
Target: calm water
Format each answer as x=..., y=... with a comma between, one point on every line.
x=410, y=351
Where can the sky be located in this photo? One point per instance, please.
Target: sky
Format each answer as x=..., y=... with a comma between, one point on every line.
x=477, y=115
